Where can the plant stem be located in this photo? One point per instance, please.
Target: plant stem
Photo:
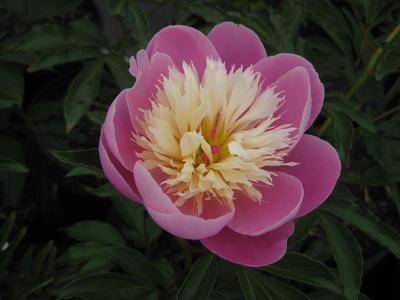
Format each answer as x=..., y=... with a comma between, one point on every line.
x=324, y=127
x=364, y=76
x=386, y=113
x=393, y=91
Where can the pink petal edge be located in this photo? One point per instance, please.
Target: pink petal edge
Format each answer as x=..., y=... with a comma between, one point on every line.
x=294, y=86
x=168, y=216
x=183, y=43
x=237, y=45
x=318, y=170
x=273, y=67
x=149, y=77
x=251, y=251
x=117, y=129
x=120, y=178
x=280, y=204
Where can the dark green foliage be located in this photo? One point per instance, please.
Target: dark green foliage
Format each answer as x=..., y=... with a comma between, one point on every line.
x=66, y=233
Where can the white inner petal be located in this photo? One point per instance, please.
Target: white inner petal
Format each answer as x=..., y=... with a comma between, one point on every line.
x=214, y=136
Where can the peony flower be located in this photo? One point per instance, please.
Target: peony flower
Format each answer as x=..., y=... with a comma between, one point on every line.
x=211, y=140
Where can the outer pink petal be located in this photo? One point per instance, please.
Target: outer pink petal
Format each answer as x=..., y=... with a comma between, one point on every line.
x=294, y=86
x=149, y=74
x=120, y=177
x=168, y=216
x=318, y=170
x=252, y=251
x=280, y=204
x=273, y=67
x=183, y=43
x=117, y=129
x=237, y=45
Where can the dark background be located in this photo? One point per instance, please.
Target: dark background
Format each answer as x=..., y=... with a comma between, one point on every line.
x=61, y=65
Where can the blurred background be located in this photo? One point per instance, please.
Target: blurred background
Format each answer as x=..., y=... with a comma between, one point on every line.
x=67, y=234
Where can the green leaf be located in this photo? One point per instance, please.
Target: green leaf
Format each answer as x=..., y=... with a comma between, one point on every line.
x=328, y=16
x=117, y=7
x=131, y=212
x=10, y=165
x=40, y=265
x=200, y=280
x=106, y=286
x=164, y=272
x=343, y=136
x=80, y=252
x=54, y=37
x=12, y=184
x=367, y=222
x=394, y=194
x=303, y=227
x=139, y=25
x=103, y=191
x=52, y=58
x=152, y=230
x=208, y=13
x=374, y=143
x=96, y=231
x=93, y=255
x=119, y=69
x=81, y=93
x=354, y=114
x=227, y=291
x=42, y=38
x=389, y=62
x=86, y=159
x=97, y=116
x=378, y=175
x=325, y=295
x=31, y=11
x=11, y=85
x=134, y=263
x=84, y=171
x=6, y=229
x=32, y=288
x=253, y=285
x=97, y=264
x=302, y=268
x=286, y=291
x=143, y=230
x=7, y=254
x=347, y=254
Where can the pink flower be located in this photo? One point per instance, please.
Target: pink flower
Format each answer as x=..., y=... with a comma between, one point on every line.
x=211, y=139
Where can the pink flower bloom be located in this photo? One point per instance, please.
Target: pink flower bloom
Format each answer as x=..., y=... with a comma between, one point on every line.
x=211, y=140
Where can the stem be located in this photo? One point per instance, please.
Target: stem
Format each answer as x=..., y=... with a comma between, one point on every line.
x=364, y=76
x=324, y=127
x=393, y=91
x=386, y=113
x=186, y=250
x=372, y=63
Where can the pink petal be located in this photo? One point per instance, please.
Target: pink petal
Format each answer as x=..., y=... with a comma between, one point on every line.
x=280, y=204
x=148, y=78
x=117, y=129
x=120, y=177
x=273, y=67
x=294, y=86
x=168, y=216
x=318, y=170
x=139, y=63
x=252, y=251
x=237, y=45
x=183, y=43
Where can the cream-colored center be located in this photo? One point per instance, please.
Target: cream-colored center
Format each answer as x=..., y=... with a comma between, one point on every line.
x=214, y=136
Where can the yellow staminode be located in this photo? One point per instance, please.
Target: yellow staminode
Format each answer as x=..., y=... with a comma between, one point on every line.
x=215, y=136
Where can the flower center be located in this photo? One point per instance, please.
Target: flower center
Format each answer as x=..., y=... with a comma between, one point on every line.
x=215, y=136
